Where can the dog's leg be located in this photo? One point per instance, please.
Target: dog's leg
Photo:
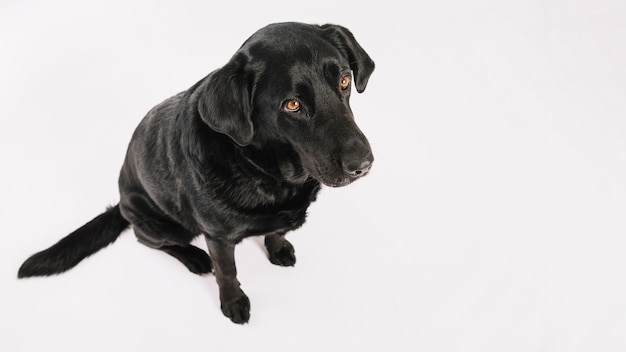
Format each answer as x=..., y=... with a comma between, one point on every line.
x=195, y=259
x=280, y=251
x=234, y=302
x=169, y=237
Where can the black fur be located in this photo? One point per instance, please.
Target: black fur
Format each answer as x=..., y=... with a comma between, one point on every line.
x=228, y=159
x=68, y=252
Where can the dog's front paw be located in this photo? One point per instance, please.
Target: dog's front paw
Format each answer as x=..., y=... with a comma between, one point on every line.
x=280, y=251
x=284, y=255
x=237, y=310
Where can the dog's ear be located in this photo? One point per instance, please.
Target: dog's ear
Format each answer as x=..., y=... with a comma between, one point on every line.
x=225, y=103
x=360, y=63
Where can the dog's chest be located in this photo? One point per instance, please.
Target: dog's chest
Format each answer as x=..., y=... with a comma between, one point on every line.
x=265, y=208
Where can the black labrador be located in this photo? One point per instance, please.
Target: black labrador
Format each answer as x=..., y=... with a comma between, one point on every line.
x=241, y=153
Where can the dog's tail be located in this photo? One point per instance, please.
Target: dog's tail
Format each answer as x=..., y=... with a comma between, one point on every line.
x=69, y=251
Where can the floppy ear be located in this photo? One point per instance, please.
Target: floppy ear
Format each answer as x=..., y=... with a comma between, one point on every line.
x=225, y=104
x=360, y=63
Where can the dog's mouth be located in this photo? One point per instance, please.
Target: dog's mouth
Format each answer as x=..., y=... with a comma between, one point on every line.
x=335, y=169
x=339, y=183
x=293, y=172
x=337, y=178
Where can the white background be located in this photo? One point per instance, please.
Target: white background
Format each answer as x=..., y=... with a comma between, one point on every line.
x=494, y=218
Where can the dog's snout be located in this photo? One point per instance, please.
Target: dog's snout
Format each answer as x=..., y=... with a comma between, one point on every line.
x=357, y=157
x=358, y=168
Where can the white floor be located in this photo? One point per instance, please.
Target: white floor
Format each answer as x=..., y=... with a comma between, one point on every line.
x=494, y=218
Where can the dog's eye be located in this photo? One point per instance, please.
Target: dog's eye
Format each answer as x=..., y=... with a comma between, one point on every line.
x=292, y=105
x=344, y=83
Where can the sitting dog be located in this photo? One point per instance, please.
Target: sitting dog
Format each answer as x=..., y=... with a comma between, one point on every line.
x=241, y=153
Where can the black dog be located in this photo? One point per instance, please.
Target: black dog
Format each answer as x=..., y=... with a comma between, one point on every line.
x=241, y=153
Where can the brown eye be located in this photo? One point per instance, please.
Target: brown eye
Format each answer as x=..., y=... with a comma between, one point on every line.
x=344, y=83
x=292, y=105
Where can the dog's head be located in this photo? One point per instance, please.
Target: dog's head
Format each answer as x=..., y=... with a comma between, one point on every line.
x=289, y=85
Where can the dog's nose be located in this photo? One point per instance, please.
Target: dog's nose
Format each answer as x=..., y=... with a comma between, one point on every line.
x=358, y=168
